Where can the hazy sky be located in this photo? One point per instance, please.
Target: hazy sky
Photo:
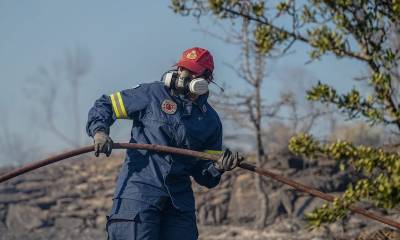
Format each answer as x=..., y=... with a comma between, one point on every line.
x=129, y=41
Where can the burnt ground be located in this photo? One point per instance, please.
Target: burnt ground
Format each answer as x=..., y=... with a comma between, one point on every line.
x=69, y=200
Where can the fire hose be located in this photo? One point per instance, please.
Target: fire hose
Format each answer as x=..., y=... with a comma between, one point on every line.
x=191, y=153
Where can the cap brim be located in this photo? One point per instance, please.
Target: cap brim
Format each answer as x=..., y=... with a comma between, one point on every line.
x=196, y=68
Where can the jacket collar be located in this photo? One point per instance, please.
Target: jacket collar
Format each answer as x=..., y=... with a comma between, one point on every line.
x=187, y=104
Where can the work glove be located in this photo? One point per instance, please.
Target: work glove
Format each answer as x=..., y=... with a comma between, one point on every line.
x=102, y=144
x=228, y=161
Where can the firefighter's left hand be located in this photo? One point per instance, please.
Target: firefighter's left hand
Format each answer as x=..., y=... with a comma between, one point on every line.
x=228, y=161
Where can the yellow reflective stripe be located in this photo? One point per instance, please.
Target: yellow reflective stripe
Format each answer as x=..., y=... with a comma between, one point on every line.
x=121, y=103
x=214, y=151
x=118, y=105
x=114, y=104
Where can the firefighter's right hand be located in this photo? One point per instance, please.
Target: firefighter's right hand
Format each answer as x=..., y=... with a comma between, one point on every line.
x=102, y=144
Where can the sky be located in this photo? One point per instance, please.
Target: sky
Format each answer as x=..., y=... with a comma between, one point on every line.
x=129, y=42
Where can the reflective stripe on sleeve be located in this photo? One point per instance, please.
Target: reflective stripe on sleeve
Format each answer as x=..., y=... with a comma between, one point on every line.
x=123, y=110
x=114, y=105
x=118, y=106
x=214, y=151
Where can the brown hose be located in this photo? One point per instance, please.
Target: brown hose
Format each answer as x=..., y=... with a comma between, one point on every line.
x=191, y=153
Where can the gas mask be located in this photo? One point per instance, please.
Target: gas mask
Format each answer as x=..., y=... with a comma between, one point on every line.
x=182, y=82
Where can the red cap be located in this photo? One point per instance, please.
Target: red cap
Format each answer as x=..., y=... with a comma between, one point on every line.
x=196, y=60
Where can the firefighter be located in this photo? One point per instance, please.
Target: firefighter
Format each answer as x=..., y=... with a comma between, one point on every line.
x=153, y=197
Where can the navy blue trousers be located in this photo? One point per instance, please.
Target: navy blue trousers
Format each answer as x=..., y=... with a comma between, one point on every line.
x=138, y=220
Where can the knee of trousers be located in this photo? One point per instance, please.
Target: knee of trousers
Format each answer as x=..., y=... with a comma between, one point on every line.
x=125, y=226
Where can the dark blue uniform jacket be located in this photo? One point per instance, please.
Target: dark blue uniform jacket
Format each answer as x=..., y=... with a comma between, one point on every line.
x=161, y=118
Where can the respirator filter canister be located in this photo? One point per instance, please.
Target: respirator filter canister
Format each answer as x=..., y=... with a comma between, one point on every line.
x=183, y=84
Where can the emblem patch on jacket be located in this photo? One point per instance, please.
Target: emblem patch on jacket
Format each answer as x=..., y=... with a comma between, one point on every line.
x=168, y=106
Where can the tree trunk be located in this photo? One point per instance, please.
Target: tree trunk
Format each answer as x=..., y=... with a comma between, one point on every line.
x=76, y=114
x=261, y=221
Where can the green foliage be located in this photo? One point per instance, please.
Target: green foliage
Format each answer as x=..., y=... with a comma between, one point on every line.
x=324, y=39
x=352, y=104
x=381, y=187
x=305, y=145
x=258, y=9
x=322, y=92
x=282, y=7
x=308, y=15
x=263, y=37
x=357, y=29
x=396, y=6
x=266, y=37
x=216, y=6
x=178, y=6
